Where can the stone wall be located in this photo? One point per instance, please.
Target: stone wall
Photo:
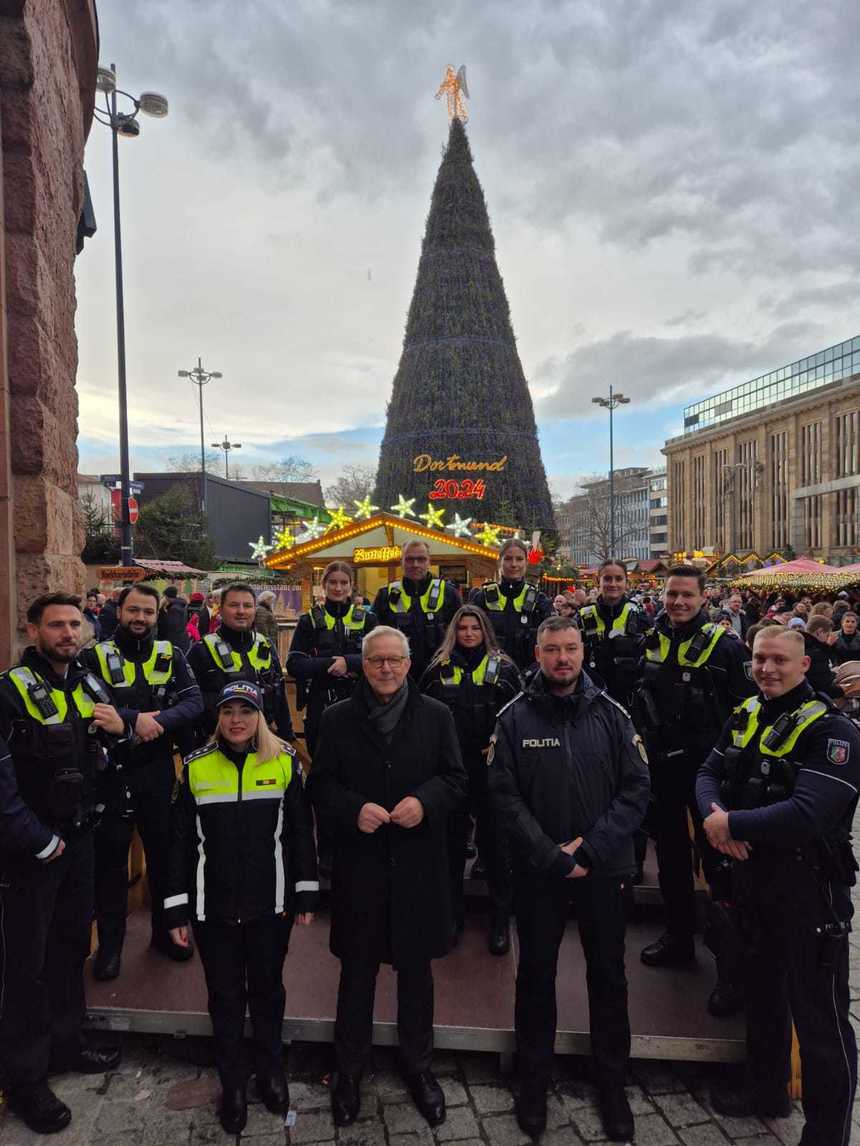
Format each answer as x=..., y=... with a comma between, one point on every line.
x=48, y=60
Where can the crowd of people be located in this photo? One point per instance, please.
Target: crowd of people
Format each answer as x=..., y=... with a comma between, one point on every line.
x=562, y=733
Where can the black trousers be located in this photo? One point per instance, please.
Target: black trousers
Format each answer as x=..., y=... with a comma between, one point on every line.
x=150, y=787
x=491, y=842
x=45, y=914
x=353, y=1027
x=244, y=964
x=794, y=973
x=673, y=784
x=542, y=911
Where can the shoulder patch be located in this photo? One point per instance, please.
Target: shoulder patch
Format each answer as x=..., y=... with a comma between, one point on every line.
x=748, y=670
x=612, y=700
x=491, y=751
x=838, y=751
x=640, y=748
x=514, y=700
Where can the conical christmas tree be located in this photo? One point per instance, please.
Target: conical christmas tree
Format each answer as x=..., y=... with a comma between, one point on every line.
x=461, y=432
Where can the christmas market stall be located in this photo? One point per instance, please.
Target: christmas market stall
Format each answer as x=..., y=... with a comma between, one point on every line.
x=803, y=574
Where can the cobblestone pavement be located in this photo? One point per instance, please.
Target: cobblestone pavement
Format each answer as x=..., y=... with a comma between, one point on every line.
x=164, y=1094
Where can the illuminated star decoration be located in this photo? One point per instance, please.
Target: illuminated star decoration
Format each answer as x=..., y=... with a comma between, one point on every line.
x=459, y=526
x=364, y=509
x=339, y=519
x=489, y=536
x=404, y=508
x=284, y=540
x=313, y=529
x=259, y=548
x=433, y=517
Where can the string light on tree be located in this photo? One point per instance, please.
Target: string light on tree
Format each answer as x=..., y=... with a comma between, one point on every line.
x=260, y=548
x=489, y=536
x=403, y=507
x=433, y=517
x=364, y=509
x=460, y=526
x=339, y=519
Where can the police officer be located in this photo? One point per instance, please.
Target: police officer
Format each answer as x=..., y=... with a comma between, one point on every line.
x=612, y=628
x=515, y=607
x=159, y=699
x=419, y=605
x=568, y=778
x=325, y=653
x=693, y=674
x=51, y=715
x=475, y=680
x=778, y=794
x=243, y=870
x=235, y=651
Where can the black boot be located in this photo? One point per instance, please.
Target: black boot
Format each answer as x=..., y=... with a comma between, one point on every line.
x=725, y=999
x=39, y=1108
x=499, y=938
x=106, y=965
x=346, y=1099
x=531, y=1107
x=427, y=1096
x=669, y=951
x=233, y=1109
x=615, y=1113
x=273, y=1090
x=747, y=1102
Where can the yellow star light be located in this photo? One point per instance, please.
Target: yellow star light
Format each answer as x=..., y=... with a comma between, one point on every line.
x=339, y=519
x=284, y=540
x=433, y=517
x=364, y=509
x=489, y=536
x=404, y=508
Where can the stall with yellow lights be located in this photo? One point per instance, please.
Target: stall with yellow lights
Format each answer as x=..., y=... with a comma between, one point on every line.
x=373, y=546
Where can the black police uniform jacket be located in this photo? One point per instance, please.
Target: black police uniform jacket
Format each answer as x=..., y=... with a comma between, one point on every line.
x=785, y=835
x=612, y=658
x=424, y=636
x=390, y=898
x=560, y=768
x=515, y=635
x=823, y=661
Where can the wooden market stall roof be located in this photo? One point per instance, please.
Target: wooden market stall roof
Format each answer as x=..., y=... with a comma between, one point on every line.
x=383, y=532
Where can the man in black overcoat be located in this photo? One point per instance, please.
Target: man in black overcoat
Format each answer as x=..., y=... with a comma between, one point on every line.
x=387, y=774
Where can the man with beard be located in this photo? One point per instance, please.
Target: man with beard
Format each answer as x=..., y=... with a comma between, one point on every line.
x=419, y=605
x=51, y=710
x=159, y=700
x=692, y=675
x=568, y=779
x=236, y=651
x=514, y=607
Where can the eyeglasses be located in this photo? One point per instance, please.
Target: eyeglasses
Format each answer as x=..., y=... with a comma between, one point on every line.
x=378, y=662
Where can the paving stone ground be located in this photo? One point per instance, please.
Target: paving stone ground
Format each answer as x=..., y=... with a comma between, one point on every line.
x=164, y=1094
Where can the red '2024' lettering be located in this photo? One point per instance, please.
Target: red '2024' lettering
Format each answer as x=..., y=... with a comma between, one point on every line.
x=464, y=490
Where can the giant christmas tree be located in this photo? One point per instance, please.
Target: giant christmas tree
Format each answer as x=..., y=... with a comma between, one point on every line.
x=461, y=432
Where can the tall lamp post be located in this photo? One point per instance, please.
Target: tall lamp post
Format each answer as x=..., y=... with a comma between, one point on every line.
x=227, y=446
x=123, y=124
x=200, y=377
x=610, y=404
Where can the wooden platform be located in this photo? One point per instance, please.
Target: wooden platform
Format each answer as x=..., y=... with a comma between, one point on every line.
x=474, y=996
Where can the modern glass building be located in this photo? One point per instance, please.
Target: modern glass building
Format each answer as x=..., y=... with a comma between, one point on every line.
x=830, y=365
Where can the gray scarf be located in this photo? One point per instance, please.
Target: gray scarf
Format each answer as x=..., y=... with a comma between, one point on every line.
x=384, y=717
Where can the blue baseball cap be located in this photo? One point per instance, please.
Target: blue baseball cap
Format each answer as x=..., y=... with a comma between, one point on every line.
x=244, y=690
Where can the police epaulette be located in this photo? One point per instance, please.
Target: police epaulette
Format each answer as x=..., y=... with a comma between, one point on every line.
x=513, y=700
x=617, y=703
x=288, y=748
x=198, y=752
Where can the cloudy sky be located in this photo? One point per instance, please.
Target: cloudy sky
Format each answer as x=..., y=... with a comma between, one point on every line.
x=673, y=189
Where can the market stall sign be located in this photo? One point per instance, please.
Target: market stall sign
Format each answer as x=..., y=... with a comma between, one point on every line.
x=380, y=555
x=121, y=573
x=422, y=463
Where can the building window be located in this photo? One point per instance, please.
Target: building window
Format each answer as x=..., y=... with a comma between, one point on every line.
x=810, y=453
x=720, y=459
x=678, y=495
x=847, y=444
x=811, y=519
x=847, y=510
x=779, y=489
x=744, y=487
x=698, y=482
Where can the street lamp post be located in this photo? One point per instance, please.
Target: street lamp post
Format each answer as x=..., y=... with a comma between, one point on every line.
x=227, y=446
x=200, y=377
x=123, y=124
x=610, y=404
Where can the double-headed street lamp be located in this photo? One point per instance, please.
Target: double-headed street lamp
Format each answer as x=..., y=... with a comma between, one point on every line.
x=200, y=377
x=123, y=124
x=227, y=446
x=610, y=404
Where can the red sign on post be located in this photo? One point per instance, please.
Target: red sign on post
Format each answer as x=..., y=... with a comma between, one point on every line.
x=133, y=510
